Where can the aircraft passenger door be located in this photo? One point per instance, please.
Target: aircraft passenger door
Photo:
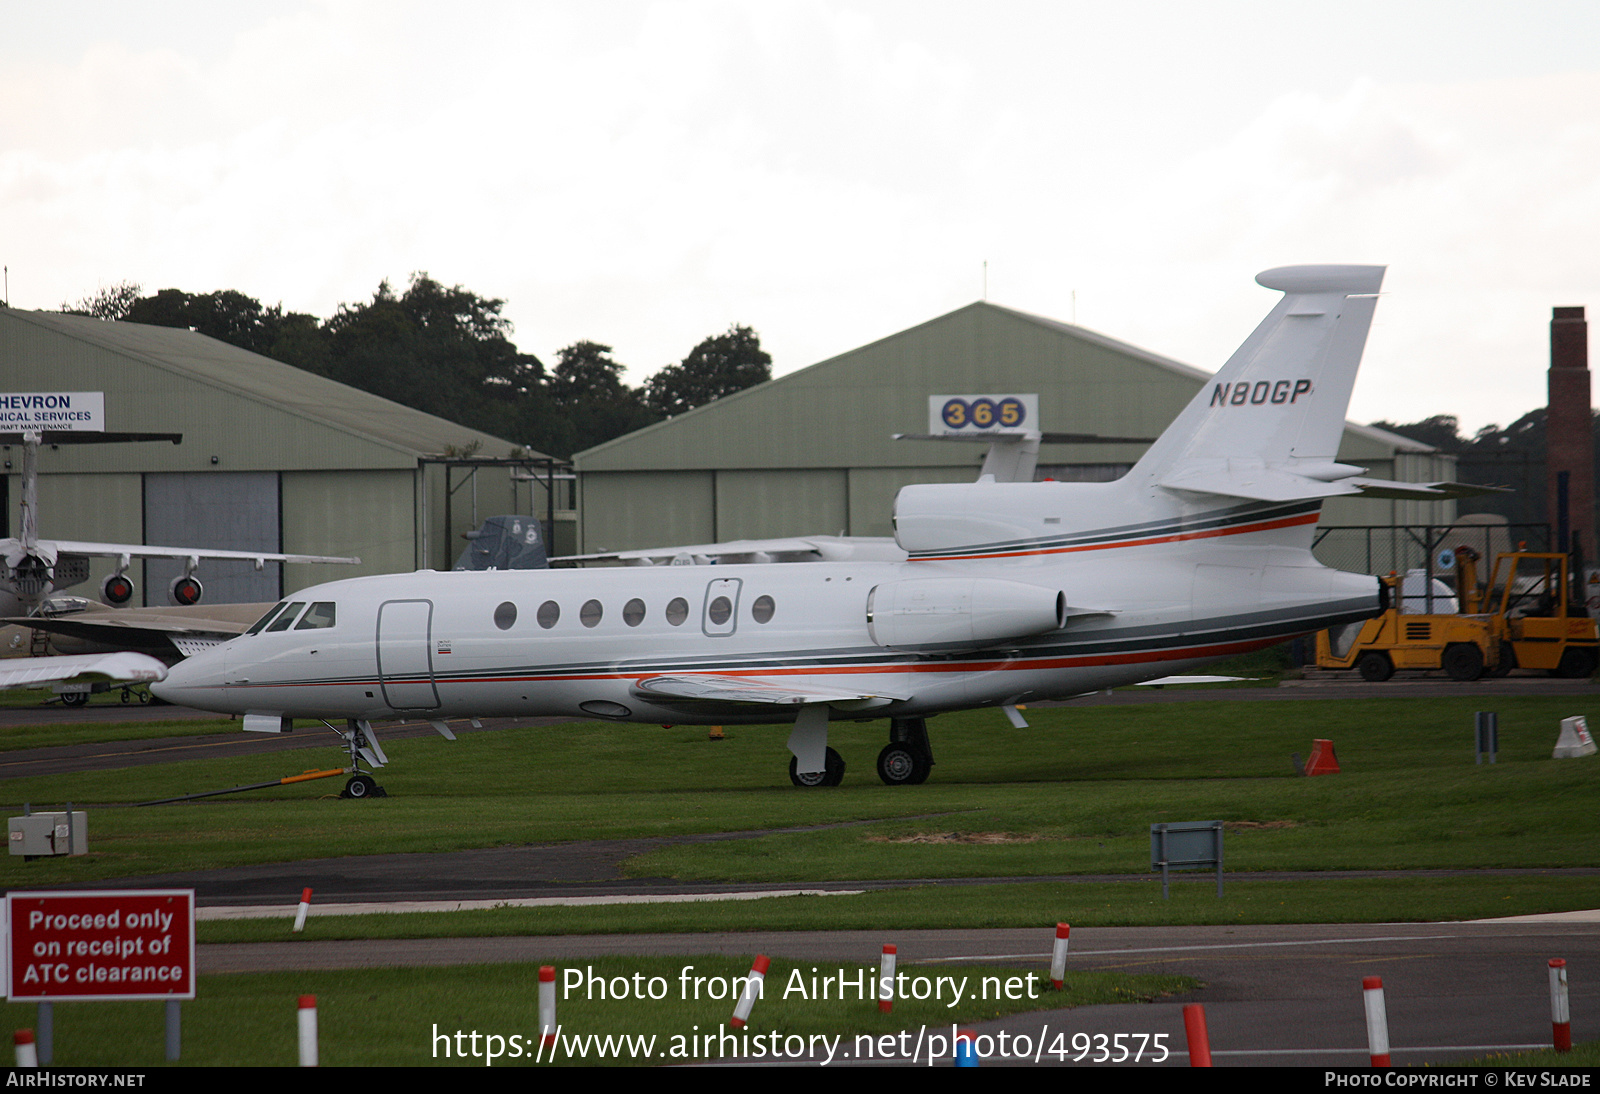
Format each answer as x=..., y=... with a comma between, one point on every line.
x=405, y=661
x=721, y=615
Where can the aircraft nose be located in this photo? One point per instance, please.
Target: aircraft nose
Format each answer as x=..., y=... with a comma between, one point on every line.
x=192, y=682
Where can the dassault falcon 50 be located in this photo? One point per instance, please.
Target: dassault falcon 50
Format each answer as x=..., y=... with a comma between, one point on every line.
x=1009, y=592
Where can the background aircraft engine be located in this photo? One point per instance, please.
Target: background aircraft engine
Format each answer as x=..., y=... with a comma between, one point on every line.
x=116, y=590
x=185, y=591
x=951, y=612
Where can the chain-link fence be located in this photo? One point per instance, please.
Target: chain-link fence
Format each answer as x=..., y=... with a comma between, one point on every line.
x=1383, y=549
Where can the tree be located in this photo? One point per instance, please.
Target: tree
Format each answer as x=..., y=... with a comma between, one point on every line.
x=718, y=366
x=111, y=302
x=443, y=350
x=586, y=402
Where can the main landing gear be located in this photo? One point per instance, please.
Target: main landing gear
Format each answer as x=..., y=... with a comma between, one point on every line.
x=908, y=758
x=905, y=761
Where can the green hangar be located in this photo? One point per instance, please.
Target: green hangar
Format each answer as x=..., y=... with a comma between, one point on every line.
x=813, y=452
x=273, y=458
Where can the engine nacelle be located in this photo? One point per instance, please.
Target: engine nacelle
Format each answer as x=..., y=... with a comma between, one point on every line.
x=116, y=590
x=185, y=591
x=954, y=612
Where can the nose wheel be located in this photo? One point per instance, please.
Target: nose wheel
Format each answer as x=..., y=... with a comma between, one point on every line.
x=362, y=744
x=362, y=785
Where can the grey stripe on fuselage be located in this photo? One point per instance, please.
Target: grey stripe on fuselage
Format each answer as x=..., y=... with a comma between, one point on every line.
x=1248, y=513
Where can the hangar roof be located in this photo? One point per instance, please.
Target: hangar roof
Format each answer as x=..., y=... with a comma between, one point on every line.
x=38, y=344
x=841, y=412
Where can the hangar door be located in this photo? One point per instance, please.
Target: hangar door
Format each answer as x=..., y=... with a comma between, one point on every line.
x=223, y=510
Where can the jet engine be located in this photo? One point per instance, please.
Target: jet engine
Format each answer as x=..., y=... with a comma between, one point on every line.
x=952, y=612
x=116, y=590
x=185, y=591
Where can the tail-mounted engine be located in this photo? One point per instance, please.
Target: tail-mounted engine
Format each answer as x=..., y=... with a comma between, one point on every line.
x=958, y=613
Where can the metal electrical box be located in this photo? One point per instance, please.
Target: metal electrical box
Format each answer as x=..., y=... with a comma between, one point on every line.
x=40, y=834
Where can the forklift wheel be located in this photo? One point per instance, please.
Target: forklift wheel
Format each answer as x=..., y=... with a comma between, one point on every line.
x=1462, y=661
x=1375, y=667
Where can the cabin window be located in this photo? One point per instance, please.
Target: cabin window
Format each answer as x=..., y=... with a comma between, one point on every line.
x=283, y=621
x=549, y=612
x=505, y=615
x=590, y=614
x=264, y=620
x=319, y=615
x=721, y=608
x=677, y=611
x=761, y=610
x=633, y=612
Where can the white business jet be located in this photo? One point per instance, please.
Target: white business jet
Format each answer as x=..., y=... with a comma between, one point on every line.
x=1009, y=592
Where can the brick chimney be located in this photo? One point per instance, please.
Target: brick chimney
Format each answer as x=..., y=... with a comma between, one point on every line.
x=1569, y=436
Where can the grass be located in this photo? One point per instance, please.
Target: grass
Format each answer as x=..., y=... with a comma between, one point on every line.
x=1022, y=904
x=409, y=1017
x=1074, y=794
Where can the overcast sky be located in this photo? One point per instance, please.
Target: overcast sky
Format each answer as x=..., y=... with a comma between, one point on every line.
x=645, y=174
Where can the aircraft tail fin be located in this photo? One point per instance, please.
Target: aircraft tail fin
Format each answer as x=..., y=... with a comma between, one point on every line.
x=505, y=543
x=1267, y=426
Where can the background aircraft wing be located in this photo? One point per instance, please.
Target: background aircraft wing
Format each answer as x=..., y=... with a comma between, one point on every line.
x=755, y=690
x=140, y=550
x=117, y=668
x=783, y=549
x=165, y=632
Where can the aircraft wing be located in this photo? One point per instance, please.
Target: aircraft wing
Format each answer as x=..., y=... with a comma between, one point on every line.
x=786, y=549
x=755, y=690
x=117, y=668
x=181, y=554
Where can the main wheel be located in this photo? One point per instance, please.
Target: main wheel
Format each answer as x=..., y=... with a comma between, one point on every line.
x=1462, y=661
x=1375, y=667
x=360, y=786
x=832, y=773
x=74, y=698
x=901, y=765
x=1576, y=664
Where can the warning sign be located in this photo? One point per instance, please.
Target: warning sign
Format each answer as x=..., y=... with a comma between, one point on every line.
x=137, y=944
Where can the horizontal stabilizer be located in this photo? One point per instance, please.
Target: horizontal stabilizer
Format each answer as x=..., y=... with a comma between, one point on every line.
x=1275, y=484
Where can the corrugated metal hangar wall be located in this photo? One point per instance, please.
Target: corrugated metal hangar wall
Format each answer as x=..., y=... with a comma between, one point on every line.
x=273, y=458
x=812, y=452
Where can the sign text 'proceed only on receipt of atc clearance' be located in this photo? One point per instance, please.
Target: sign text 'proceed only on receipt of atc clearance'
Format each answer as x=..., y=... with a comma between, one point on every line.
x=136, y=944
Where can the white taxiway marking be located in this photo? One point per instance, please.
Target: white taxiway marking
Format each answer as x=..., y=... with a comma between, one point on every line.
x=278, y=911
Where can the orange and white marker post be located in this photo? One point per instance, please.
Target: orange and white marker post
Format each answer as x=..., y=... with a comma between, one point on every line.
x=305, y=906
x=1560, y=1015
x=886, y=979
x=308, y=1031
x=1377, y=1020
x=1058, y=956
x=547, y=1004
x=752, y=989
x=27, y=1051
x=1194, y=1029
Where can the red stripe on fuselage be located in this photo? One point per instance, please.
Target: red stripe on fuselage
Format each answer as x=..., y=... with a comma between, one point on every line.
x=1210, y=533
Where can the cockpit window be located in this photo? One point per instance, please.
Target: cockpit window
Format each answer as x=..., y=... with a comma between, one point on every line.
x=264, y=620
x=289, y=613
x=319, y=615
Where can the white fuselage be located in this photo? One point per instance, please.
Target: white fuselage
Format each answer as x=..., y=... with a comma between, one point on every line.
x=428, y=644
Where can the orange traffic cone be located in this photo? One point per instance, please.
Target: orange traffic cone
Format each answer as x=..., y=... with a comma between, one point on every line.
x=1322, y=761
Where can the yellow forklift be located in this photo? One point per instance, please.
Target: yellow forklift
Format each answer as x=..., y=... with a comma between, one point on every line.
x=1528, y=616
x=1535, y=602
